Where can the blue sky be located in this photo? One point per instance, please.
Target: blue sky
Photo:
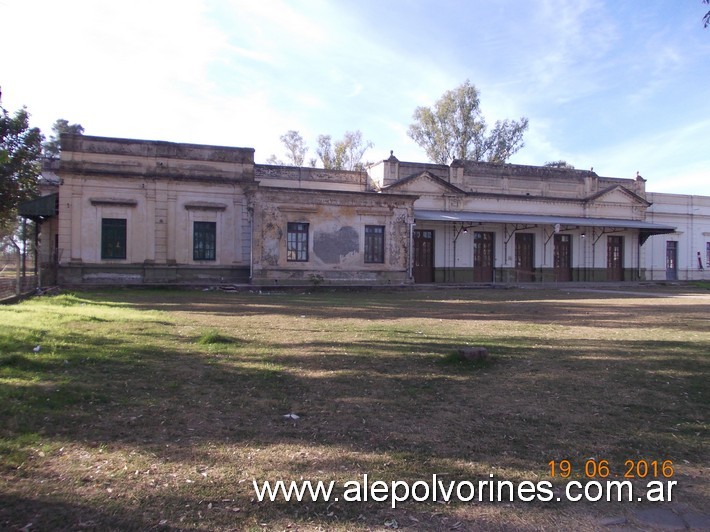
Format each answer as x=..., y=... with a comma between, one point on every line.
x=618, y=85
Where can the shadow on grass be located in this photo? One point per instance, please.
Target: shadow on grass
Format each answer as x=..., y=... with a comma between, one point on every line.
x=396, y=397
x=370, y=396
x=55, y=514
x=529, y=306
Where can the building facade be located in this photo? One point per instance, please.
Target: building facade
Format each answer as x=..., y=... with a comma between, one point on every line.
x=683, y=254
x=145, y=212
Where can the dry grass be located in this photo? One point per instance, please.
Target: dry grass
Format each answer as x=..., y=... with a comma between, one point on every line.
x=157, y=409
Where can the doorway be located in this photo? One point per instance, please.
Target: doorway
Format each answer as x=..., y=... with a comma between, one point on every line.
x=423, y=267
x=672, y=260
x=483, y=256
x=615, y=258
x=525, y=257
x=562, y=261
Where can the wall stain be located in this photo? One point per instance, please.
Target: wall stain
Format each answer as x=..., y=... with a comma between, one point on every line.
x=331, y=247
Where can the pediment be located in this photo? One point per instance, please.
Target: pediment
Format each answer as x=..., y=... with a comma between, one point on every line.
x=423, y=183
x=617, y=195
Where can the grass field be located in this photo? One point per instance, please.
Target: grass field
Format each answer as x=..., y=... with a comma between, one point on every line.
x=156, y=409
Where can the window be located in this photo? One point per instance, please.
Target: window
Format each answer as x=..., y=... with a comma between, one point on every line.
x=297, y=242
x=204, y=241
x=375, y=243
x=113, y=238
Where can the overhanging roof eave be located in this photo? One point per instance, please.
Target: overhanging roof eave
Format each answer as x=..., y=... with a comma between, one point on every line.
x=39, y=208
x=536, y=219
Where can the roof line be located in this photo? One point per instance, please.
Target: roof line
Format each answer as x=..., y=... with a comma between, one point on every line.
x=488, y=217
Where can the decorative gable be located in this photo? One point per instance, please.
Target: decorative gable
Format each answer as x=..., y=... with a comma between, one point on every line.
x=617, y=195
x=616, y=202
x=424, y=183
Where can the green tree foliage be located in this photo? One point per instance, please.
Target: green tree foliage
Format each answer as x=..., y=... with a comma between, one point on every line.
x=456, y=129
x=559, y=164
x=345, y=154
x=296, y=148
x=324, y=150
x=52, y=147
x=20, y=152
x=350, y=150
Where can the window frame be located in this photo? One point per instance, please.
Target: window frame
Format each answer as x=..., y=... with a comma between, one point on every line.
x=297, y=239
x=114, y=231
x=374, y=252
x=204, y=241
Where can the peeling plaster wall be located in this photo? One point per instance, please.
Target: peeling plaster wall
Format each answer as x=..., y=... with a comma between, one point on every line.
x=84, y=154
x=163, y=188
x=506, y=179
x=333, y=247
x=293, y=177
x=336, y=237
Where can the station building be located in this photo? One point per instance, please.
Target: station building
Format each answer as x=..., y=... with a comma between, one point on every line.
x=127, y=211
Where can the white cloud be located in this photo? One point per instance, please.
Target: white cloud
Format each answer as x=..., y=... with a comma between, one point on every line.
x=603, y=84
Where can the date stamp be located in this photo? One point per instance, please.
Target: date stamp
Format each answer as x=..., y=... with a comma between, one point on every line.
x=595, y=469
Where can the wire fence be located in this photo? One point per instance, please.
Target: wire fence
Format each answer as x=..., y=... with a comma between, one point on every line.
x=16, y=277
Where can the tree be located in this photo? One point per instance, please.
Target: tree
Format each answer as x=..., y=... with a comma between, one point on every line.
x=456, y=129
x=345, y=154
x=295, y=150
x=706, y=18
x=274, y=160
x=295, y=147
x=52, y=148
x=350, y=151
x=559, y=164
x=325, y=151
x=20, y=152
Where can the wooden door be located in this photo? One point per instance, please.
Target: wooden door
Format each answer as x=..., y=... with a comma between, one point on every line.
x=563, y=258
x=483, y=257
x=525, y=257
x=423, y=268
x=615, y=258
x=672, y=260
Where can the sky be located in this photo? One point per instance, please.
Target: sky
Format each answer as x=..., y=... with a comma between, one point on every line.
x=620, y=86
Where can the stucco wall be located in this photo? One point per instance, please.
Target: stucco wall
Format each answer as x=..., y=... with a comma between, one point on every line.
x=161, y=189
x=110, y=178
x=335, y=239
x=294, y=177
x=83, y=154
x=691, y=216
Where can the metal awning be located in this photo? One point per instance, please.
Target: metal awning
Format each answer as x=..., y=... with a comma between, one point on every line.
x=646, y=229
x=535, y=219
x=40, y=208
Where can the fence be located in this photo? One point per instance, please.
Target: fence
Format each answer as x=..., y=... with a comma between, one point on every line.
x=9, y=286
x=17, y=277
